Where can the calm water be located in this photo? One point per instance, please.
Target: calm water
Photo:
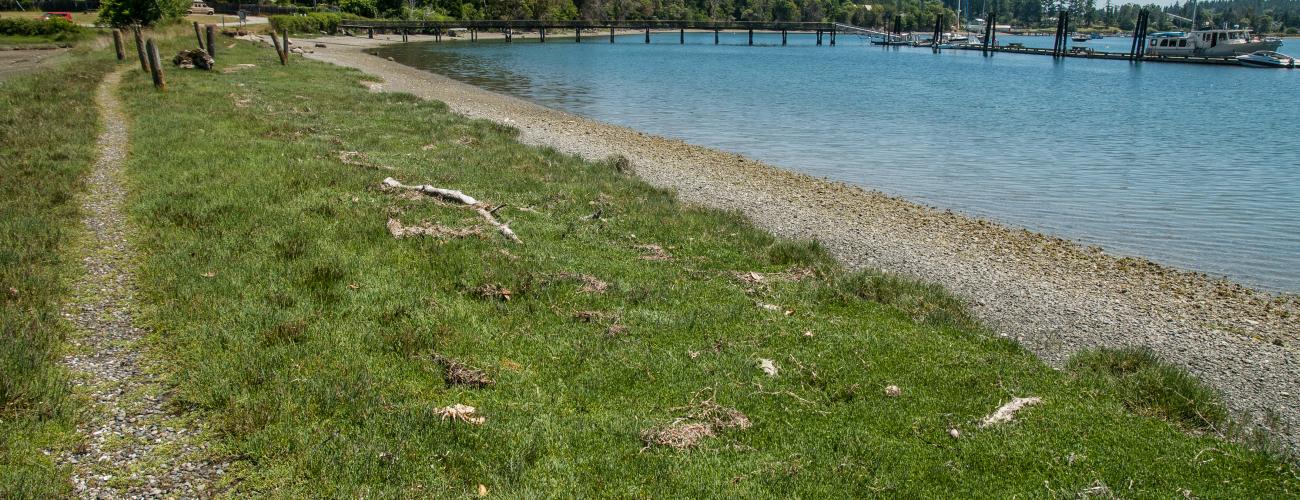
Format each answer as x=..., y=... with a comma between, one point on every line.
x=1192, y=166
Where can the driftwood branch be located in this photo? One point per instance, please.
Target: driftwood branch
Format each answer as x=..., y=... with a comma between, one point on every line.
x=454, y=196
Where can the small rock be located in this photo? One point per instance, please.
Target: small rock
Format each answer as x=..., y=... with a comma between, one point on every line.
x=956, y=434
x=893, y=391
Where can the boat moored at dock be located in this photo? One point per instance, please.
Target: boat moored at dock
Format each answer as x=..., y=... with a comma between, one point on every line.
x=1208, y=43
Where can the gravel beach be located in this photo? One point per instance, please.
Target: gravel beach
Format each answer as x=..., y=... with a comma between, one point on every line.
x=1051, y=295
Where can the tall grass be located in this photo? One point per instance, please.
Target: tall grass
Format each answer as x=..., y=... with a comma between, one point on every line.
x=47, y=138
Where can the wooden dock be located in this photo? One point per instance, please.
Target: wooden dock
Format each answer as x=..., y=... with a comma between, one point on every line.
x=823, y=31
x=1091, y=54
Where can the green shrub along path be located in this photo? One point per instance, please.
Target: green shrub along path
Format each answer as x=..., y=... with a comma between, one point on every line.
x=320, y=348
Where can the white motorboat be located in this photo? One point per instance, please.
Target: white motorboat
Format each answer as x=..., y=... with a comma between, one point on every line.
x=1208, y=43
x=1267, y=59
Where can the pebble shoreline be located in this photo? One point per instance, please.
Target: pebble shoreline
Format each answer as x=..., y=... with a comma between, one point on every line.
x=1051, y=295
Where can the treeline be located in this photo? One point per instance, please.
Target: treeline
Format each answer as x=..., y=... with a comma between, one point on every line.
x=1262, y=15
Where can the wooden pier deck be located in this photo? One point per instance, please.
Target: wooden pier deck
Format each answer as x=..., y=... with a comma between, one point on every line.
x=822, y=30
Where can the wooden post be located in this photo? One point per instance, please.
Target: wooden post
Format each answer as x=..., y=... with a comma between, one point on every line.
x=611, y=35
x=211, y=32
x=751, y=36
x=543, y=32
x=280, y=51
x=832, y=37
x=819, y=38
x=578, y=33
x=783, y=35
x=117, y=45
x=139, y=50
x=715, y=36
x=370, y=33
x=682, y=37
x=155, y=65
x=647, y=35
x=198, y=35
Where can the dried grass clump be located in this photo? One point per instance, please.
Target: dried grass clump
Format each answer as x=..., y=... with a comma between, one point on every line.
x=458, y=373
x=705, y=419
x=399, y=230
x=590, y=284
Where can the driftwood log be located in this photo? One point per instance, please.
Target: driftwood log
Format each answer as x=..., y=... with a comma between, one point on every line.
x=458, y=197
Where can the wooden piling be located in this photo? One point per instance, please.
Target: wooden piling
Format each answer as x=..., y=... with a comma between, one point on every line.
x=578, y=33
x=155, y=65
x=783, y=37
x=370, y=33
x=682, y=37
x=139, y=50
x=751, y=36
x=211, y=32
x=611, y=35
x=832, y=37
x=543, y=34
x=819, y=38
x=647, y=35
x=198, y=35
x=715, y=36
x=280, y=51
x=117, y=45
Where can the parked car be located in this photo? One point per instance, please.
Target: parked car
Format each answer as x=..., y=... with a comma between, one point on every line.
x=53, y=15
x=198, y=7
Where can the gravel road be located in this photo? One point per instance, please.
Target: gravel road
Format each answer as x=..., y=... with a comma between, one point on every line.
x=1053, y=296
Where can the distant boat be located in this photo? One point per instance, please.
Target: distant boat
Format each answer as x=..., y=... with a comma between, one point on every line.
x=1267, y=59
x=1079, y=37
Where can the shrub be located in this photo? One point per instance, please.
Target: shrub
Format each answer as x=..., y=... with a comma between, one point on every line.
x=37, y=27
x=143, y=12
x=1150, y=386
x=363, y=8
x=314, y=22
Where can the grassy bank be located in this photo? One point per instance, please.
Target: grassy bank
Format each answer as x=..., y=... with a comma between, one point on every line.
x=320, y=346
x=47, y=139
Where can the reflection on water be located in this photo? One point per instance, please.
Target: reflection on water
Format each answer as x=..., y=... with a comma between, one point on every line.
x=1194, y=166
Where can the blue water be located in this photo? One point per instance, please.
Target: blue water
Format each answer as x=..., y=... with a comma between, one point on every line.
x=1192, y=166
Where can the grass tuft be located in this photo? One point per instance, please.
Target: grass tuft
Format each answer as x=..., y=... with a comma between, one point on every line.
x=1150, y=386
x=925, y=303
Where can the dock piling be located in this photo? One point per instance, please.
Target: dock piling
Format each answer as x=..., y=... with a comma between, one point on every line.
x=751, y=36
x=715, y=36
x=647, y=35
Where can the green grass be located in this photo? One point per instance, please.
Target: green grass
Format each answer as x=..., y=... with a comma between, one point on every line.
x=1153, y=387
x=47, y=139
x=306, y=335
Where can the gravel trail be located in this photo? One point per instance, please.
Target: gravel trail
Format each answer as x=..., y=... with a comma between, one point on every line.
x=135, y=445
x=1053, y=296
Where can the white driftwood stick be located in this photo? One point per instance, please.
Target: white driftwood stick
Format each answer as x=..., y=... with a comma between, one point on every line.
x=446, y=194
x=1008, y=411
x=462, y=198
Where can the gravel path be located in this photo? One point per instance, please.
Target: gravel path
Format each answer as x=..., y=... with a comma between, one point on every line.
x=136, y=445
x=1053, y=296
